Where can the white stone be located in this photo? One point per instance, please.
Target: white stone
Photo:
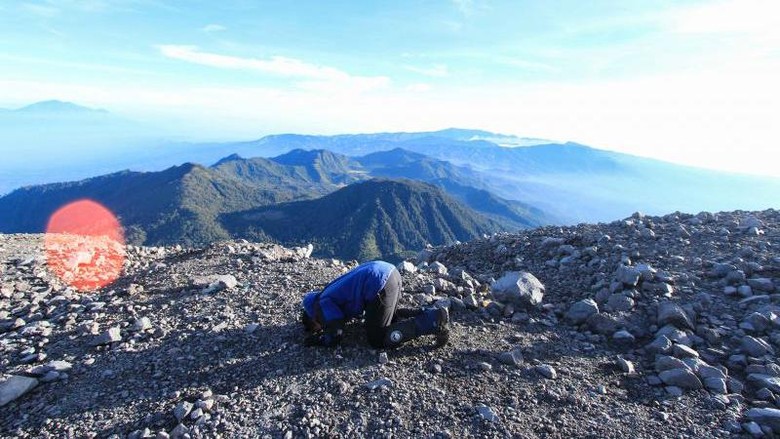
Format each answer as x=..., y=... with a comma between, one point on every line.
x=519, y=287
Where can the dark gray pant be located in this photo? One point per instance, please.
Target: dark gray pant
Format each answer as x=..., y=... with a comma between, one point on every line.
x=383, y=311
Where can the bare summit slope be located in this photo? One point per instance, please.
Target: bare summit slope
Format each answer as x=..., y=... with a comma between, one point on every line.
x=678, y=341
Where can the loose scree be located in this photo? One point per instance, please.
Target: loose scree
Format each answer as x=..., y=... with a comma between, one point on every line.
x=84, y=245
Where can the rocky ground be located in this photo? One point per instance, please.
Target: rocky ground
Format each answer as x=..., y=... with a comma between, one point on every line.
x=646, y=327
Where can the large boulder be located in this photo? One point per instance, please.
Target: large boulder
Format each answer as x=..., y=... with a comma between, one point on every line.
x=519, y=287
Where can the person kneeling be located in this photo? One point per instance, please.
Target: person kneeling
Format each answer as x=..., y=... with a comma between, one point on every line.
x=373, y=288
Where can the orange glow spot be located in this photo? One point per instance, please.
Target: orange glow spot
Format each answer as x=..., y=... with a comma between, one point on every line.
x=85, y=245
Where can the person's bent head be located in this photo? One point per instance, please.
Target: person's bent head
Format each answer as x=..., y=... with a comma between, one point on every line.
x=308, y=314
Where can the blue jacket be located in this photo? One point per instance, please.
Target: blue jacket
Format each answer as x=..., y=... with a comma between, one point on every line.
x=346, y=297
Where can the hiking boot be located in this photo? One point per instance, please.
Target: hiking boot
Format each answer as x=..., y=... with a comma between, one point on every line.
x=442, y=327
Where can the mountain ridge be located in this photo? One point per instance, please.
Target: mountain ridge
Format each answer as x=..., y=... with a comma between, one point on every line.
x=184, y=204
x=371, y=219
x=53, y=107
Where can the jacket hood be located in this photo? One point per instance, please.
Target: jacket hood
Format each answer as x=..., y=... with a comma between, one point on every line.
x=308, y=302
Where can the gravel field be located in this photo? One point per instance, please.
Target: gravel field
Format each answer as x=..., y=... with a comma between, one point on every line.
x=644, y=327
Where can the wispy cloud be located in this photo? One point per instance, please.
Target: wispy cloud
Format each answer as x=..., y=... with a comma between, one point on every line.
x=213, y=28
x=436, y=71
x=315, y=76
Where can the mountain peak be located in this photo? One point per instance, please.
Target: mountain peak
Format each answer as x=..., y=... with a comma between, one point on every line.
x=231, y=158
x=58, y=107
x=301, y=156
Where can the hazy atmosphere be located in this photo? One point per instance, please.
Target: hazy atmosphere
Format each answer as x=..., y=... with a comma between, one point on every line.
x=693, y=82
x=389, y=219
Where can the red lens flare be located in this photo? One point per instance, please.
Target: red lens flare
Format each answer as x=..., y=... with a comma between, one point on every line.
x=85, y=245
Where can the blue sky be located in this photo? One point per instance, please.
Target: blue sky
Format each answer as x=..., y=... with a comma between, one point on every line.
x=687, y=81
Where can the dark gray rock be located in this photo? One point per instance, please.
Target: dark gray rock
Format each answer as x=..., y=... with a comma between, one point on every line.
x=580, y=311
x=761, y=284
x=756, y=347
x=665, y=362
x=602, y=324
x=753, y=429
x=675, y=334
x=735, y=277
x=382, y=382
x=487, y=413
x=471, y=302
x=669, y=313
x=765, y=416
x=182, y=410
x=759, y=322
x=682, y=351
x=683, y=378
x=180, y=431
x=623, y=338
x=661, y=345
x=706, y=371
x=716, y=385
x=761, y=380
x=765, y=394
x=628, y=275
x=547, y=371
x=112, y=335
x=142, y=324
x=626, y=366
x=620, y=302
x=511, y=358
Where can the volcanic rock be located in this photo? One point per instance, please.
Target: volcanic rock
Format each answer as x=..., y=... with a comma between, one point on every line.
x=682, y=378
x=580, y=311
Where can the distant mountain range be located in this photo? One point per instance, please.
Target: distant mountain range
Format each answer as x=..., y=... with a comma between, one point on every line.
x=569, y=181
x=553, y=182
x=55, y=107
x=237, y=197
x=471, y=188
